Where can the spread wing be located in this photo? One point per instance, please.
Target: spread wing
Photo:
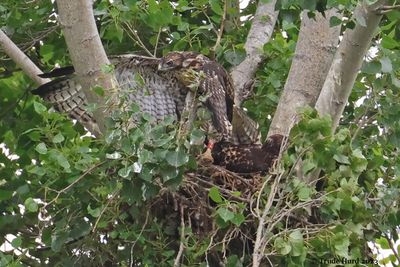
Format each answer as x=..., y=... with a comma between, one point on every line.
x=67, y=96
x=158, y=94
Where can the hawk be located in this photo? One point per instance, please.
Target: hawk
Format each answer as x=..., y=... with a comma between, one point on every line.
x=159, y=87
x=247, y=158
x=159, y=94
x=213, y=81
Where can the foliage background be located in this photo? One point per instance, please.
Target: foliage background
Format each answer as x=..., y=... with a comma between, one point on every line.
x=84, y=201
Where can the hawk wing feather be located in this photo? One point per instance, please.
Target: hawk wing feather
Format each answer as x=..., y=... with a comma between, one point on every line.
x=158, y=94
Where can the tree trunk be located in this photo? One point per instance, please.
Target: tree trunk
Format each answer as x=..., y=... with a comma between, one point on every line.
x=28, y=67
x=315, y=49
x=347, y=62
x=87, y=54
x=260, y=32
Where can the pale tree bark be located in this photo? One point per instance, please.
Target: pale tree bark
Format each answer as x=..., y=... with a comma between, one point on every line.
x=348, y=60
x=260, y=32
x=314, y=53
x=87, y=54
x=22, y=60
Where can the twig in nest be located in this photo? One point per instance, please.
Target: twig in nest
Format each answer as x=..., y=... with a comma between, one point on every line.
x=137, y=238
x=258, y=244
x=181, y=246
x=224, y=191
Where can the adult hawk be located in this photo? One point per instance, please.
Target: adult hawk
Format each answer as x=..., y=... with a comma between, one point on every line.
x=159, y=87
x=159, y=94
x=214, y=83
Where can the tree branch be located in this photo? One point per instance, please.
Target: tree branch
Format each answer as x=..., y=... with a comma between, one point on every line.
x=347, y=62
x=87, y=54
x=260, y=32
x=29, y=68
x=313, y=56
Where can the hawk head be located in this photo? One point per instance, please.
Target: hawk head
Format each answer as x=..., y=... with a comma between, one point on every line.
x=182, y=60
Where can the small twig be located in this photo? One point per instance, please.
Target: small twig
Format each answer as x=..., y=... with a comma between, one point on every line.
x=136, y=38
x=157, y=40
x=104, y=209
x=221, y=27
x=226, y=192
x=385, y=9
x=13, y=105
x=181, y=245
x=137, y=238
x=392, y=247
x=29, y=68
x=73, y=183
x=257, y=255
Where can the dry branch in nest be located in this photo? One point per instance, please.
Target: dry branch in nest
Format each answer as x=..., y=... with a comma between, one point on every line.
x=191, y=207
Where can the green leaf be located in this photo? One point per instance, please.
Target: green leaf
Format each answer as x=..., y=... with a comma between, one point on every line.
x=297, y=243
x=115, y=155
x=58, y=240
x=238, y=219
x=383, y=243
x=225, y=214
x=304, y=194
x=39, y=107
x=4, y=195
x=282, y=246
x=124, y=172
x=47, y=52
x=216, y=7
x=30, y=205
x=334, y=21
x=235, y=57
x=80, y=229
x=308, y=165
x=386, y=64
x=389, y=43
x=341, y=158
x=215, y=195
x=98, y=90
x=107, y=68
x=62, y=161
x=58, y=138
x=341, y=244
x=177, y=158
x=372, y=67
x=17, y=242
x=41, y=148
x=308, y=4
x=40, y=171
x=94, y=212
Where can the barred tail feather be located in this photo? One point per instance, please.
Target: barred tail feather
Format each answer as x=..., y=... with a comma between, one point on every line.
x=66, y=96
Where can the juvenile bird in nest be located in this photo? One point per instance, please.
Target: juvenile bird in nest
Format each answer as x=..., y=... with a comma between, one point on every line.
x=248, y=158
